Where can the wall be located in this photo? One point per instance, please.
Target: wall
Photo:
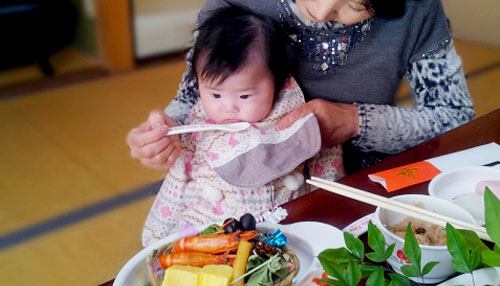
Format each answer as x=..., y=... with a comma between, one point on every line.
x=477, y=20
x=163, y=26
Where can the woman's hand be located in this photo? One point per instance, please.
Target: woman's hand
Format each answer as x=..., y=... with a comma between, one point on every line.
x=149, y=144
x=338, y=122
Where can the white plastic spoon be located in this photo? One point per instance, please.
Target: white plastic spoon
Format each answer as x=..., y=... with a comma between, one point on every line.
x=231, y=127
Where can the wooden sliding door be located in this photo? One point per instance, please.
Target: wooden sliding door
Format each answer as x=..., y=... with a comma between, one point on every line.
x=115, y=34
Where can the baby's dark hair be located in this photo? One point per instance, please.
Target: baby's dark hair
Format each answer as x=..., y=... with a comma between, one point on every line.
x=229, y=39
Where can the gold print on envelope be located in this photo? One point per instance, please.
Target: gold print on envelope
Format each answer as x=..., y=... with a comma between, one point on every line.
x=412, y=173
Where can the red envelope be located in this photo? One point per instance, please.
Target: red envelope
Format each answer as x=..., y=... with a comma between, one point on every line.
x=405, y=176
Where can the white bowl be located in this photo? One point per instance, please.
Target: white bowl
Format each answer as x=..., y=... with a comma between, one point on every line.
x=453, y=184
x=440, y=254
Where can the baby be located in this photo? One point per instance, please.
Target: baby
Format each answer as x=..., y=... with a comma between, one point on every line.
x=240, y=66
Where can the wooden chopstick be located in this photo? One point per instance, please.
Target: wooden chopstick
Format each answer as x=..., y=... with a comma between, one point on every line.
x=396, y=206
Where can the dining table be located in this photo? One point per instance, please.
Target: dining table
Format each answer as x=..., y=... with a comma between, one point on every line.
x=339, y=211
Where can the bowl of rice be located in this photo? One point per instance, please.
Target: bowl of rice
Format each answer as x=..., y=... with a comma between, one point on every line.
x=431, y=238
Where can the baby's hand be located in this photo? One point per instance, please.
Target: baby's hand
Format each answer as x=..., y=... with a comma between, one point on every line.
x=149, y=144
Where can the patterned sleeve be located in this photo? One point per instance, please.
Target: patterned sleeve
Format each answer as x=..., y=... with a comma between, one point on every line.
x=442, y=102
x=187, y=94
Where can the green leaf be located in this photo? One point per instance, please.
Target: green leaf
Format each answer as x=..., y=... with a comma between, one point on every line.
x=376, y=257
x=457, y=249
x=334, y=270
x=273, y=268
x=472, y=240
x=474, y=258
x=428, y=267
x=376, y=239
x=496, y=248
x=410, y=270
x=355, y=245
x=376, y=278
x=411, y=248
x=389, y=250
x=340, y=256
x=210, y=229
x=260, y=277
x=490, y=258
x=492, y=215
x=254, y=260
x=398, y=280
x=367, y=269
x=353, y=274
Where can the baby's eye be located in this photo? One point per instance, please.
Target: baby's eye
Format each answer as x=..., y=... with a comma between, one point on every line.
x=215, y=95
x=244, y=96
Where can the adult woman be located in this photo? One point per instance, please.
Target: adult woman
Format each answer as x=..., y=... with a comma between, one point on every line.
x=348, y=57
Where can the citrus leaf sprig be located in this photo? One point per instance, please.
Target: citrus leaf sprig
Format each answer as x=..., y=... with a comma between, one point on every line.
x=376, y=241
x=348, y=265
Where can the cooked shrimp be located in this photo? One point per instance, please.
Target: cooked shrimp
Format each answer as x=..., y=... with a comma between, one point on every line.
x=195, y=259
x=213, y=243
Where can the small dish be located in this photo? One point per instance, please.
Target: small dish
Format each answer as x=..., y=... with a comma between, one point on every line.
x=485, y=276
x=451, y=185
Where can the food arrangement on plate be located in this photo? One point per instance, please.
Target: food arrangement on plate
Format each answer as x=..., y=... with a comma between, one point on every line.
x=306, y=239
x=236, y=253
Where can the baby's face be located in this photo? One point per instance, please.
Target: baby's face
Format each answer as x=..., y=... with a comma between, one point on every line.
x=244, y=96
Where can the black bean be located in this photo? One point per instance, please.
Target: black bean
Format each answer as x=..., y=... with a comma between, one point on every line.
x=248, y=222
x=233, y=226
x=420, y=230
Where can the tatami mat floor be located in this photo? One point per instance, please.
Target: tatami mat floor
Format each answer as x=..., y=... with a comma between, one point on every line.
x=72, y=200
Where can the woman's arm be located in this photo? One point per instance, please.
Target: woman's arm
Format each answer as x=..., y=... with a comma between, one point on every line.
x=442, y=102
x=187, y=94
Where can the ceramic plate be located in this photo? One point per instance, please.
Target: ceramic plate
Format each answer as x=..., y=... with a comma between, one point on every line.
x=452, y=184
x=307, y=239
x=485, y=276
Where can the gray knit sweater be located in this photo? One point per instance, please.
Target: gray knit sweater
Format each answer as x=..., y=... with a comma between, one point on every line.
x=364, y=64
